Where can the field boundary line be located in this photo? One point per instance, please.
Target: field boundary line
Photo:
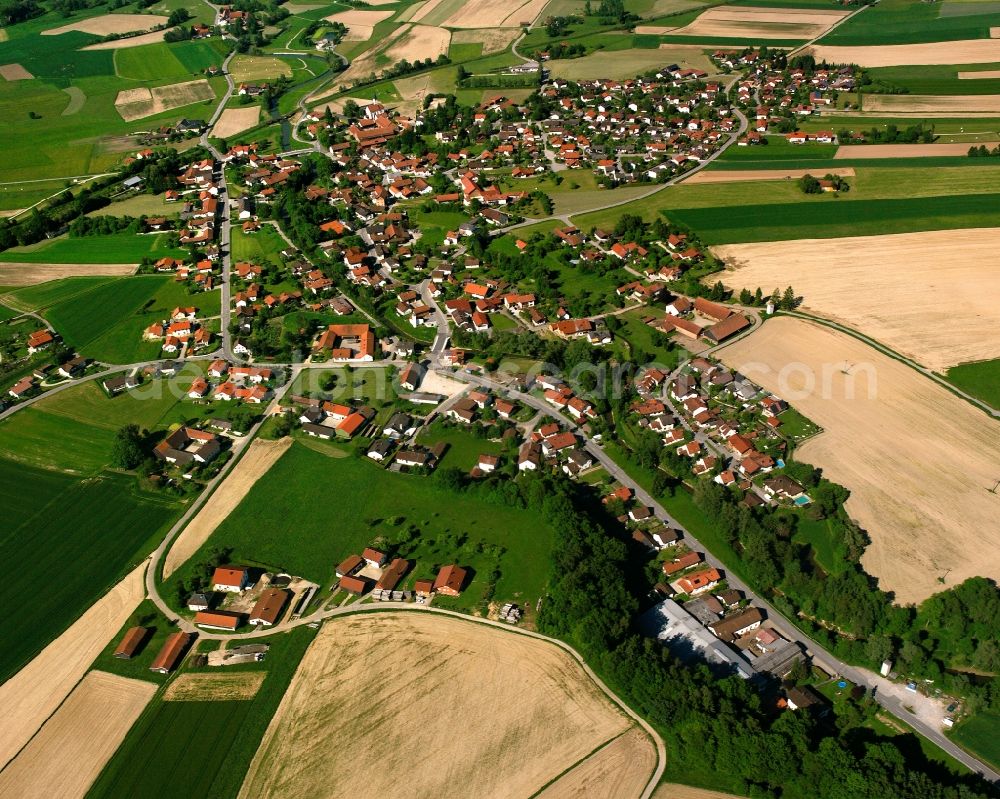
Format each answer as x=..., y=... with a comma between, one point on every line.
x=599, y=748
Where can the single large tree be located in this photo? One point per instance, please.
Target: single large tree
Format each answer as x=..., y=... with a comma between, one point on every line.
x=126, y=452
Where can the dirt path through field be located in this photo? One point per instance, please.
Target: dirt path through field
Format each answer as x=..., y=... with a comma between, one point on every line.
x=69, y=752
x=930, y=296
x=260, y=456
x=25, y=274
x=30, y=696
x=917, y=460
x=457, y=703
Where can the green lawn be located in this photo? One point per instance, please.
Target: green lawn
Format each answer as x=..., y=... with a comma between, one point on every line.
x=264, y=246
x=313, y=510
x=464, y=448
x=88, y=532
x=185, y=749
x=107, y=322
x=980, y=379
x=979, y=735
x=119, y=249
x=826, y=541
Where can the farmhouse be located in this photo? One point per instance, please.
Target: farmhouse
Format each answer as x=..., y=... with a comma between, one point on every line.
x=450, y=580
x=732, y=627
x=230, y=578
x=393, y=574
x=268, y=608
x=349, y=565
x=188, y=445
x=217, y=619
x=354, y=585
x=170, y=653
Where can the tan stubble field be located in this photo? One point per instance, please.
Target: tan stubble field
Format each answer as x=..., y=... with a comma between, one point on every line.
x=930, y=296
x=445, y=702
x=31, y=695
x=69, y=752
x=917, y=459
x=762, y=23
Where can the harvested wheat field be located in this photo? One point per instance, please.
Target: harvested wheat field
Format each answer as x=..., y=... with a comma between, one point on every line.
x=69, y=752
x=968, y=51
x=991, y=74
x=110, y=23
x=856, y=151
x=761, y=23
x=15, y=274
x=235, y=120
x=360, y=24
x=491, y=14
x=917, y=459
x=214, y=687
x=903, y=290
x=923, y=104
x=498, y=713
x=31, y=695
x=419, y=42
x=14, y=72
x=618, y=771
x=134, y=104
x=132, y=41
x=742, y=175
x=675, y=791
x=259, y=457
x=494, y=40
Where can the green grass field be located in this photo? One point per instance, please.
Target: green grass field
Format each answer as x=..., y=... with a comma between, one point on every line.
x=979, y=736
x=106, y=322
x=42, y=295
x=939, y=80
x=119, y=249
x=87, y=532
x=729, y=224
x=185, y=749
x=779, y=149
x=909, y=21
x=330, y=507
x=980, y=379
x=168, y=63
